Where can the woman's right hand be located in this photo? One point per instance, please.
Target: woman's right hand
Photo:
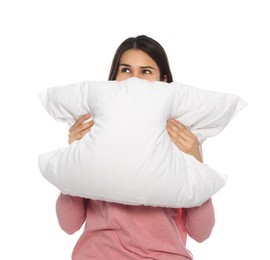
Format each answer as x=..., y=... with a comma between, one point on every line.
x=79, y=129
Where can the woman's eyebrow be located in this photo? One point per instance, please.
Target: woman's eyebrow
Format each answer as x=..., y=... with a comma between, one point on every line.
x=124, y=64
x=142, y=67
x=147, y=67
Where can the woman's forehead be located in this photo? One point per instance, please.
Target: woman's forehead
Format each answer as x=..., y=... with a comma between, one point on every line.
x=137, y=58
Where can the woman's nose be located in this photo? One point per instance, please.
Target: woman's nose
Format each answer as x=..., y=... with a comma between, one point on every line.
x=135, y=74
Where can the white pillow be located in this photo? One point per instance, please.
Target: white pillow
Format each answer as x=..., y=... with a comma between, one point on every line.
x=128, y=157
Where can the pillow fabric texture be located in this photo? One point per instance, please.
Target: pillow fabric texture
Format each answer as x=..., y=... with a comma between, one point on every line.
x=128, y=156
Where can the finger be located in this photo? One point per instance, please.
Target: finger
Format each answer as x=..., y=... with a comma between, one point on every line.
x=177, y=135
x=78, y=136
x=177, y=141
x=186, y=143
x=180, y=137
x=79, y=122
x=81, y=128
x=181, y=127
x=183, y=145
x=178, y=131
x=189, y=136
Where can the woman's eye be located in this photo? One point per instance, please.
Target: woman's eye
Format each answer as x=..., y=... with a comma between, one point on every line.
x=146, y=72
x=125, y=70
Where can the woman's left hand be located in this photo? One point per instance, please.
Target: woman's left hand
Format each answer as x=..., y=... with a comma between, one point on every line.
x=184, y=139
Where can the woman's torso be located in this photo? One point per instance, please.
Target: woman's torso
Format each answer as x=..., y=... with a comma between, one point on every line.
x=115, y=231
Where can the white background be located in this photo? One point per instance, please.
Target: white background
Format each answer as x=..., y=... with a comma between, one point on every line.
x=217, y=45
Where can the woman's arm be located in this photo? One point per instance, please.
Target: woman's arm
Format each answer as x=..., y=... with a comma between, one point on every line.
x=71, y=212
x=198, y=221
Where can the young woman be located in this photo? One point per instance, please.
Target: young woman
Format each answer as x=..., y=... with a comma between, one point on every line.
x=116, y=231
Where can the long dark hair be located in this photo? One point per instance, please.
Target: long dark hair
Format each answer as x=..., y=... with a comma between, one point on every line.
x=150, y=47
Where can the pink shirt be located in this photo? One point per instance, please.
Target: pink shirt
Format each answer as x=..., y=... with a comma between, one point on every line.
x=121, y=232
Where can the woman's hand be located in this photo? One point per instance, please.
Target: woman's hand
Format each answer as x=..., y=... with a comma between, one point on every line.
x=79, y=129
x=179, y=134
x=184, y=139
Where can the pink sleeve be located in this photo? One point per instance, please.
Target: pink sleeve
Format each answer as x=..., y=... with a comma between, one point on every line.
x=71, y=212
x=200, y=221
